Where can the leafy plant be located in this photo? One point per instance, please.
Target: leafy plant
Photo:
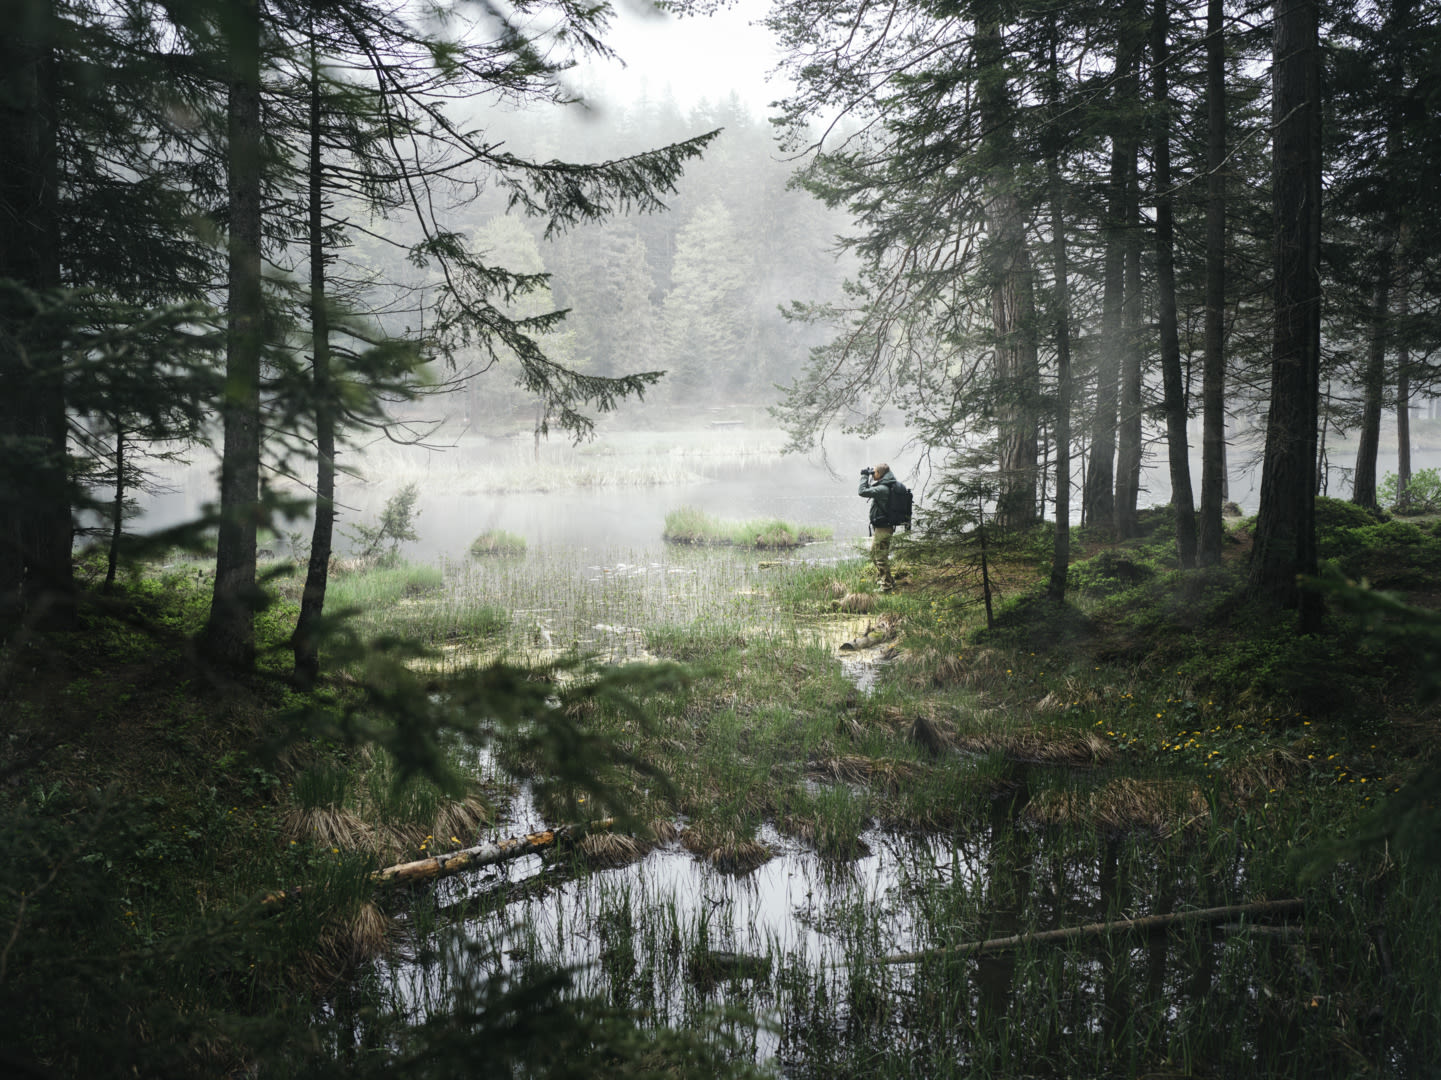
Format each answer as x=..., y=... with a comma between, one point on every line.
x=1422, y=495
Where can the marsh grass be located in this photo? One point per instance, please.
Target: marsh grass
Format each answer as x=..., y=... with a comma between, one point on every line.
x=1163, y=806
x=498, y=542
x=688, y=525
x=997, y=790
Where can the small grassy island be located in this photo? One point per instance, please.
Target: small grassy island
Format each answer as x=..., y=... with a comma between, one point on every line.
x=497, y=542
x=691, y=526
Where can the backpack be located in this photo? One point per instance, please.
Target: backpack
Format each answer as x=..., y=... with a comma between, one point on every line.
x=898, y=506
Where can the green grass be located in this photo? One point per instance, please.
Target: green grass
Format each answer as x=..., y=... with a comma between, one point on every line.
x=376, y=587
x=497, y=542
x=691, y=526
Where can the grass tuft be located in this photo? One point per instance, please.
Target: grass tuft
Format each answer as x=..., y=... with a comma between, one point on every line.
x=1124, y=804
x=691, y=526
x=725, y=848
x=497, y=542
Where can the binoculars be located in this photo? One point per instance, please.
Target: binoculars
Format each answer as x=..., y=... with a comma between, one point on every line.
x=867, y=471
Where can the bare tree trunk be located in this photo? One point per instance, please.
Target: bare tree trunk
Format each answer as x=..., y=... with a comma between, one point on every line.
x=1013, y=303
x=1213, y=376
x=1128, y=441
x=118, y=524
x=1285, y=543
x=1178, y=449
x=1403, y=395
x=1363, y=492
x=306, y=641
x=36, y=531
x=1101, y=475
x=1061, y=550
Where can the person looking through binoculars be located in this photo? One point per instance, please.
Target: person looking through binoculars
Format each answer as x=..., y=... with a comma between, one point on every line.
x=880, y=485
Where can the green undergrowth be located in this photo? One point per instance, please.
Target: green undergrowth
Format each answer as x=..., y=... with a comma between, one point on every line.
x=688, y=525
x=1158, y=744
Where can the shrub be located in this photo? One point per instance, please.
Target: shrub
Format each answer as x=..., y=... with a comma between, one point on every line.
x=1423, y=493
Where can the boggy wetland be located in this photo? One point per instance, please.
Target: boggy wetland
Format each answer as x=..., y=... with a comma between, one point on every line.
x=822, y=805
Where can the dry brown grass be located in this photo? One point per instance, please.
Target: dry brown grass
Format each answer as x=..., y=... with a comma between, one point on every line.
x=725, y=848
x=331, y=826
x=463, y=818
x=664, y=831
x=1267, y=771
x=607, y=849
x=344, y=944
x=1040, y=746
x=980, y=669
x=858, y=769
x=1163, y=806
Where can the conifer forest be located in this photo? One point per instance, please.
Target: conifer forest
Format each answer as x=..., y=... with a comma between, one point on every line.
x=440, y=631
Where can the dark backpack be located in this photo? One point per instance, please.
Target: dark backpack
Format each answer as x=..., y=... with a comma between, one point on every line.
x=898, y=506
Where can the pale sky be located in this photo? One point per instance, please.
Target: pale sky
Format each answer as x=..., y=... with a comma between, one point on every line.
x=704, y=56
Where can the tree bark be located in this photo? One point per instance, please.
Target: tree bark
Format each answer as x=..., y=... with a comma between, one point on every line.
x=36, y=531
x=117, y=524
x=230, y=631
x=1177, y=446
x=1013, y=303
x=306, y=640
x=1213, y=371
x=1403, y=395
x=1061, y=549
x=1101, y=474
x=1128, y=433
x=1285, y=541
x=1373, y=382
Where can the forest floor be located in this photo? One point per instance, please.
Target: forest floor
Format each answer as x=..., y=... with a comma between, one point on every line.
x=150, y=802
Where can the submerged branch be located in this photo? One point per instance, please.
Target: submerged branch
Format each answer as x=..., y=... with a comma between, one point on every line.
x=1145, y=923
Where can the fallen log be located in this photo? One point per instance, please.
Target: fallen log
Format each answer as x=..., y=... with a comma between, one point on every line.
x=874, y=635
x=487, y=854
x=1143, y=924
x=471, y=858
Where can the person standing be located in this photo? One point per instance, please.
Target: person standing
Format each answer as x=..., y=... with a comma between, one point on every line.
x=878, y=484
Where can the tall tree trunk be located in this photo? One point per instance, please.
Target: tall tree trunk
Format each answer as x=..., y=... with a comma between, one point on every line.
x=1178, y=449
x=230, y=631
x=1213, y=372
x=1128, y=430
x=1061, y=550
x=36, y=531
x=1285, y=543
x=1373, y=382
x=1403, y=391
x=306, y=641
x=1101, y=475
x=117, y=524
x=1013, y=302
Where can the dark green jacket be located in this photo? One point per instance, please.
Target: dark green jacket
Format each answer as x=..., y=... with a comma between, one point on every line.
x=879, y=492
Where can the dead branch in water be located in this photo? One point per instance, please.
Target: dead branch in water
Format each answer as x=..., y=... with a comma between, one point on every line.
x=1145, y=923
x=471, y=858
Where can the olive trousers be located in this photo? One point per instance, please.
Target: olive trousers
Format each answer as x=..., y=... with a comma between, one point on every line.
x=881, y=555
